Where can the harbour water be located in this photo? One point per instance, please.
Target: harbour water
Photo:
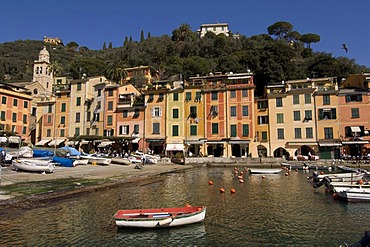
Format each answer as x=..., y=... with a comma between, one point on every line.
x=276, y=211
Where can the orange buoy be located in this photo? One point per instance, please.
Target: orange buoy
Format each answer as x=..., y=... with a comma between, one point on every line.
x=241, y=181
x=286, y=174
x=263, y=177
x=232, y=190
x=296, y=170
x=241, y=173
x=240, y=177
x=210, y=182
x=187, y=205
x=236, y=172
x=222, y=190
x=322, y=173
x=360, y=181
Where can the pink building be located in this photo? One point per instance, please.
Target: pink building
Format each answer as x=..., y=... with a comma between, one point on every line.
x=354, y=118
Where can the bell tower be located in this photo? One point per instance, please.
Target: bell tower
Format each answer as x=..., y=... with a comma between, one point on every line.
x=42, y=71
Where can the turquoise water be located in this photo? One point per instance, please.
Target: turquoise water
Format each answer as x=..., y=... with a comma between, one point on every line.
x=276, y=211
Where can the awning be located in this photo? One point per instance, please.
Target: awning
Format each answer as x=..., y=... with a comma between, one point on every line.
x=42, y=142
x=104, y=144
x=301, y=143
x=56, y=142
x=175, y=147
x=84, y=142
x=72, y=143
x=3, y=139
x=239, y=142
x=14, y=139
x=355, y=129
x=216, y=142
x=197, y=142
x=328, y=144
x=155, y=140
x=136, y=140
x=355, y=142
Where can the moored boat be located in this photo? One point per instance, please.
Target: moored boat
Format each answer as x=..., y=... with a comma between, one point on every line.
x=97, y=160
x=33, y=166
x=350, y=169
x=339, y=177
x=343, y=186
x=159, y=217
x=303, y=166
x=353, y=195
x=264, y=171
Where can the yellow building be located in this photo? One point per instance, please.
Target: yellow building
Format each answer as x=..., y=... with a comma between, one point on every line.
x=194, y=118
x=84, y=93
x=260, y=144
x=155, y=131
x=293, y=112
x=175, y=119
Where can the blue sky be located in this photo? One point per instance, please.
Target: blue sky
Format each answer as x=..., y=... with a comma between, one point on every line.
x=91, y=23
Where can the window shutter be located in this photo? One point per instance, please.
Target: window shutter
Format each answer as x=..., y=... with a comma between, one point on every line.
x=333, y=113
x=153, y=111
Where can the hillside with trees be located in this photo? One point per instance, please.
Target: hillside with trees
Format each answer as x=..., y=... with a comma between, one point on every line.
x=281, y=54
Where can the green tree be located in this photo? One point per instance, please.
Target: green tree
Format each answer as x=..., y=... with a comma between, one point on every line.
x=110, y=46
x=104, y=45
x=309, y=38
x=72, y=46
x=142, y=36
x=116, y=72
x=182, y=33
x=280, y=29
x=89, y=66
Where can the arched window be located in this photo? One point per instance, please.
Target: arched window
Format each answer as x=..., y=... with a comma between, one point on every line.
x=37, y=70
x=40, y=70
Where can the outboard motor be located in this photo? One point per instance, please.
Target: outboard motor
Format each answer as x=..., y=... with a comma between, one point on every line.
x=325, y=181
x=314, y=177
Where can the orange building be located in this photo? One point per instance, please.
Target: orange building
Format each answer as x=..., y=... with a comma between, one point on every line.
x=15, y=110
x=129, y=112
x=228, y=113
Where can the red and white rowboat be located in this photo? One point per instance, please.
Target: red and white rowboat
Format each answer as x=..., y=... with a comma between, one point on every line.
x=159, y=217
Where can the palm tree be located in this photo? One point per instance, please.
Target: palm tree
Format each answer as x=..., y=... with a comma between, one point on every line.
x=116, y=72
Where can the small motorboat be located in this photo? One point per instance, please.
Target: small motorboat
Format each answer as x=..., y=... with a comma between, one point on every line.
x=159, y=217
x=338, y=177
x=302, y=166
x=353, y=195
x=350, y=169
x=343, y=186
x=264, y=171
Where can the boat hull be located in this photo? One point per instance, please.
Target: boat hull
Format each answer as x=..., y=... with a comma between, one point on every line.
x=344, y=186
x=33, y=167
x=353, y=195
x=264, y=171
x=97, y=160
x=342, y=177
x=157, y=218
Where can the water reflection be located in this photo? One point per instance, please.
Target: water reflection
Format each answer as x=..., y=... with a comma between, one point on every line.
x=276, y=211
x=177, y=236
